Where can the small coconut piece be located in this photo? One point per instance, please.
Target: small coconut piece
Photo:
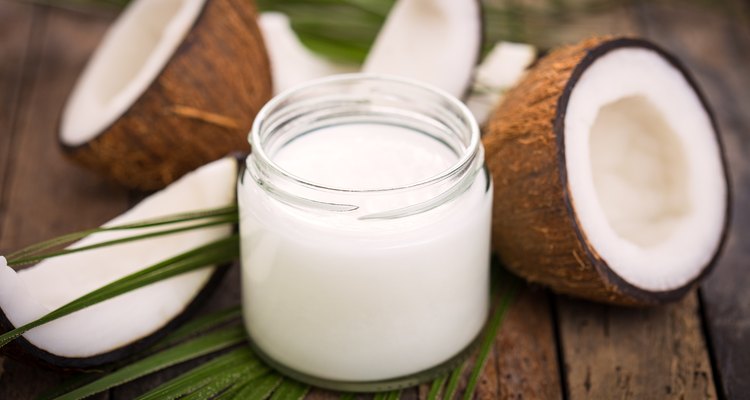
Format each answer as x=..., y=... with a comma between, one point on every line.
x=499, y=71
x=118, y=327
x=610, y=179
x=173, y=85
x=434, y=41
x=291, y=62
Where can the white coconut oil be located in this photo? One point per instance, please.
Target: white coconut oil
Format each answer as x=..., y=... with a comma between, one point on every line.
x=365, y=227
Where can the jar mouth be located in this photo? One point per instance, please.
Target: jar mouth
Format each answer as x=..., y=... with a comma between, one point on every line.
x=364, y=98
x=263, y=157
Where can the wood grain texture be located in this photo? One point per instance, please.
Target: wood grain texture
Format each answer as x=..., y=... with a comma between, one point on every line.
x=656, y=353
x=718, y=53
x=17, y=49
x=46, y=196
x=523, y=363
x=15, y=29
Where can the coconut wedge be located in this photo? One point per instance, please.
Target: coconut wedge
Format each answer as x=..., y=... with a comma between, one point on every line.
x=173, y=85
x=291, y=62
x=610, y=178
x=500, y=70
x=115, y=328
x=434, y=41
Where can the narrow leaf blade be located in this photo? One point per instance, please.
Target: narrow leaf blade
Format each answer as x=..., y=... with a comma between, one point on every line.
x=198, y=377
x=202, y=324
x=259, y=389
x=290, y=390
x=186, y=351
x=436, y=387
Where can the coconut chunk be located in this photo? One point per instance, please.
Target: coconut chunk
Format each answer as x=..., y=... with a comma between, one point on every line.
x=291, y=62
x=433, y=41
x=29, y=294
x=500, y=70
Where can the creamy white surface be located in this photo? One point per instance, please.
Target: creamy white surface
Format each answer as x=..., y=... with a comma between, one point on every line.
x=365, y=156
x=362, y=300
x=29, y=294
x=644, y=169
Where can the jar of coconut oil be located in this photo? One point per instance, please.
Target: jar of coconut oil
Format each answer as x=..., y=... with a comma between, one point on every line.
x=365, y=214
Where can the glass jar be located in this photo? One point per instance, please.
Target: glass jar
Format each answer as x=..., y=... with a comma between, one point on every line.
x=365, y=212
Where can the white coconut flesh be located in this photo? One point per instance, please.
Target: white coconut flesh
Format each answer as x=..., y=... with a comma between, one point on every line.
x=130, y=57
x=291, y=62
x=644, y=169
x=500, y=70
x=29, y=294
x=433, y=41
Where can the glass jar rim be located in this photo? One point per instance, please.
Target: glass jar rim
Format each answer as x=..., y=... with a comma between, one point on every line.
x=472, y=149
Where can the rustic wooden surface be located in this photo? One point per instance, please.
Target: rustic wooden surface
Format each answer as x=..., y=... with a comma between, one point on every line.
x=549, y=347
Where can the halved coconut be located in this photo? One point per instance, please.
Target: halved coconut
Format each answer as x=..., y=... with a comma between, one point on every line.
x=174, y=84
x=610, y=179
x=291, y=62
x=434, y=41
x=117, y=327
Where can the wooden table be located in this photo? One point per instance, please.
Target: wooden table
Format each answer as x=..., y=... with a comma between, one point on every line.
x=549, y=346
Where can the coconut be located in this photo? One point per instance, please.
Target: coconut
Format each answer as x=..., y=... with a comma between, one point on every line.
x=174, y=84
x=500, y=70
x=437, y=42
x=609, y=173
x=115, y=328
x=291, y=62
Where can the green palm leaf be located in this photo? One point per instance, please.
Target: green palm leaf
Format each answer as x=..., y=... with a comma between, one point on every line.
x=198, y=347
x=229, y=213
x=290, y=390
x=201, y=325
x=258, y=389
x=211, y=377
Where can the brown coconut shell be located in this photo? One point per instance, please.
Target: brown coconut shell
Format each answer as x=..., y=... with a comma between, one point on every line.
x=199, y=108
x=535, y=228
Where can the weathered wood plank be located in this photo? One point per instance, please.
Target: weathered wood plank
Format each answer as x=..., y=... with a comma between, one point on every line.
x=45, y=195
x=15, y=34
x=656, y=353
x=715, y=47
x=16, y=22
x=524, y=363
